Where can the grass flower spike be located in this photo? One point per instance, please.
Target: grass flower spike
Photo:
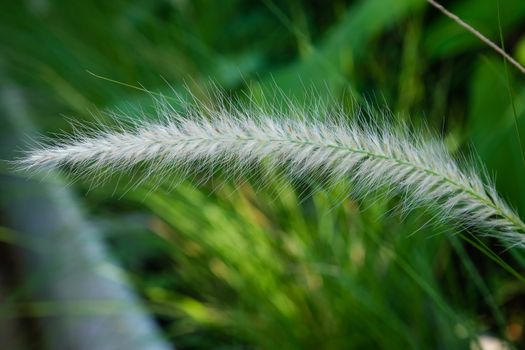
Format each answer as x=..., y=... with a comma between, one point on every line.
x=371, y=157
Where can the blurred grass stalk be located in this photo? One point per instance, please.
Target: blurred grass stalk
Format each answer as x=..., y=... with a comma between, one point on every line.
x=65, y=260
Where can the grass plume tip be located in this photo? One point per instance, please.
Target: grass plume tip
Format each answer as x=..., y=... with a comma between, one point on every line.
x=371, y=156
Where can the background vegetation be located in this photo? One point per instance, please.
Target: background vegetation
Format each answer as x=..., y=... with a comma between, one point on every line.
x=226, y=265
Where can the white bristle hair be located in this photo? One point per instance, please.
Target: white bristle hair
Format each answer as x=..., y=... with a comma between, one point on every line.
x=372, y=155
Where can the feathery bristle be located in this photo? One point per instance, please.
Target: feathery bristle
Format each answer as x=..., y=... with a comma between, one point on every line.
x=372, y=157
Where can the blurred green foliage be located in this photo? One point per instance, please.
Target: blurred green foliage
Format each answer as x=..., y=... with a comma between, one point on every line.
x=226, y=266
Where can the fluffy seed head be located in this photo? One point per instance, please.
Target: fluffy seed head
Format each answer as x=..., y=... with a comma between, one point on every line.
x=238, y=138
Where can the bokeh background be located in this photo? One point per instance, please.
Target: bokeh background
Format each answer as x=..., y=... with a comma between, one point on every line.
x=227, y=265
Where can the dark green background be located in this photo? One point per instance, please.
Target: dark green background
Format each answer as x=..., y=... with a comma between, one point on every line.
x=270, y=269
